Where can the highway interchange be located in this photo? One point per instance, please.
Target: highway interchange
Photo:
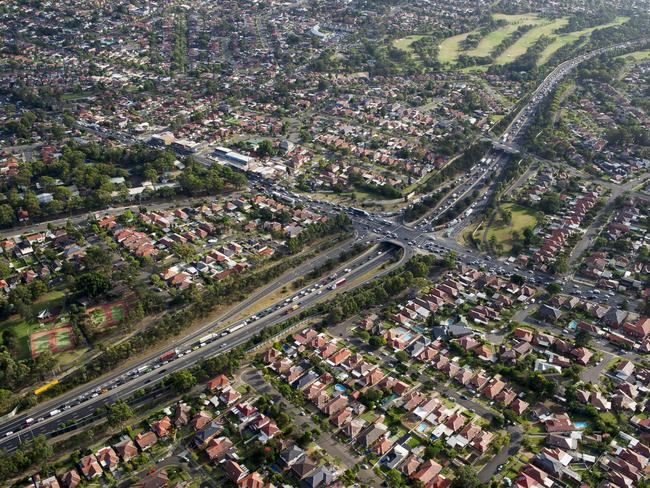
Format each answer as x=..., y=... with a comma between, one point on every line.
x=81, y=403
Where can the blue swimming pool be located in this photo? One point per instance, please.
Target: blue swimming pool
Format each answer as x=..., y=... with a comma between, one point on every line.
x=572, y=325
x=421, y=428
x=581, y=425
x=339, y=387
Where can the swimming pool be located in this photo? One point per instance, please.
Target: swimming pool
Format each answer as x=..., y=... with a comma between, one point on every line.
x=339, y=387
x=421, y=428
x=572, y=325
x=581, y=425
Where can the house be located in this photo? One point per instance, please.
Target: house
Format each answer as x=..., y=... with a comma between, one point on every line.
x=427, y=471
x=155, y=479
x=353, y=428
x=639, y=329
x=523, y=334
x=234, y=471
x=218, y=447
x=162, y=427
x=107, y=458
x=556, y=440
x=203, y=436
x=582, y=355
x=181, y=415
x=253, y=480
x=321, y=477
x=372, y=434
x=50, y=482
x=229, y=396
x=126, y=449
x=145, y=440
x=303, y=467
x=482, y=441
x=71, y=479
x=559, y=423
x=291, y=455
x=342, y=417
x=218, y=383
x=493, y=388
x=548, y=313
x=615, y=317
x=90, y=467
x=200, y=420
x=624, y=370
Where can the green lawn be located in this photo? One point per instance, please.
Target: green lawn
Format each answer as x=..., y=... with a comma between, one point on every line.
x=529, y=38
x=522, y=217
x=405, y=42
x=494, y=38
x=564, y=39
x=637, y=56
x=22, y=331
x=449, y=49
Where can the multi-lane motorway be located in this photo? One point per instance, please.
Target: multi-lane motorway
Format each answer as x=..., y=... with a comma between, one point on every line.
x=81, y=403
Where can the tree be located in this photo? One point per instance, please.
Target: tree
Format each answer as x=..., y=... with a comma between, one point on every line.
x=550, y=203
x=182, y=381
x=466, y=478
x=265, y=148
x=583, y=338
x=553, y=288
x=560, y=266
x=394, y=478
x=518, y=279
x=7, y=215
x=376, y=342
x=97, y=257
x=119, y=412
x=92, y=284
x=402, y=356
x=450, y=260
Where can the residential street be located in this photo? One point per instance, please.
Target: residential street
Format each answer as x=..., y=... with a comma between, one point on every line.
x=326, y=440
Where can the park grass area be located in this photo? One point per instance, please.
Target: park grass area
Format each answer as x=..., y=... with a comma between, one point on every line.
x=405, y=42
x=449, y=49
x=547, y=28
x=464, y=235
x=522, y=217
x=494, y=38
x=637, y=56
x=570, y=37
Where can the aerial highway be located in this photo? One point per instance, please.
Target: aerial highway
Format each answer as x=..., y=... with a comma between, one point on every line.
x=121, y=383
x=224, y=334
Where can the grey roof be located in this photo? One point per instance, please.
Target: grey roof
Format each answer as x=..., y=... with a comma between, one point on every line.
x=291, y=454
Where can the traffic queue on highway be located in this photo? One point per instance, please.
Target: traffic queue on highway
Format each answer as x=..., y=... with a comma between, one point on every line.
x=290, y=304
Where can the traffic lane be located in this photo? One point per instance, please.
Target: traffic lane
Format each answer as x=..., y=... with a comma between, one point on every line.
x=53, y=424
x=151, y=378
x=60, y=401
